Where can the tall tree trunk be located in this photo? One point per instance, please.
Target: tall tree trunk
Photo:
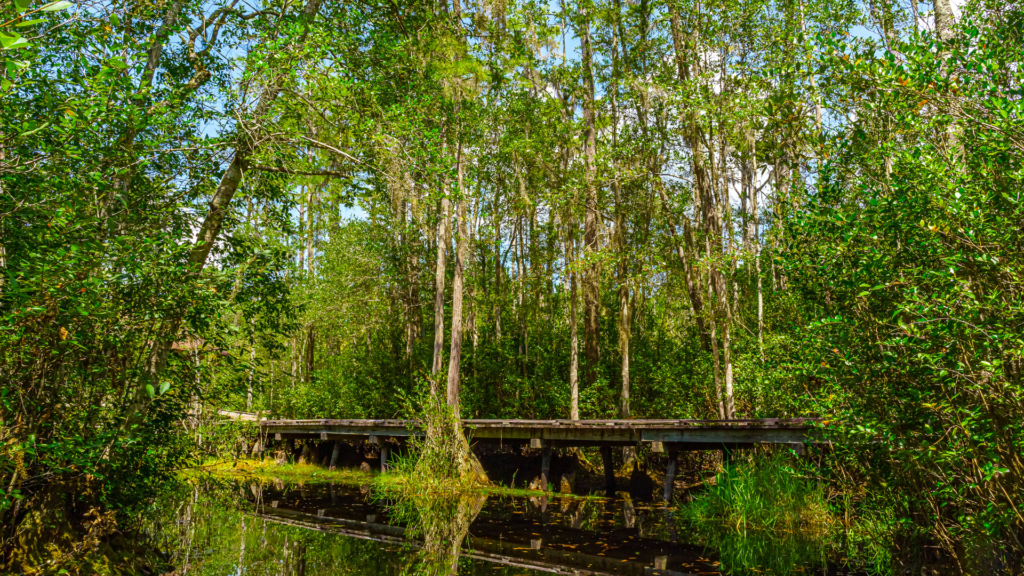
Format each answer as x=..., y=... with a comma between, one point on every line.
x=499, y=265
x=754, y=233
x=252, y=362
x=717, y=364
x=591, y=279
x=310, y=354
x=944, y=21
x=302, y=230
x=574, y=357
x=455, y=356
x=625, y=311
x=310, y=229
x=443, y=240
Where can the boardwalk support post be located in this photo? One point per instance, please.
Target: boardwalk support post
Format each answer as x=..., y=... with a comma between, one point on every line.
x=545, y=467
x=384, y=450
x=670, y=475
x=609, y=470
x=334, y=454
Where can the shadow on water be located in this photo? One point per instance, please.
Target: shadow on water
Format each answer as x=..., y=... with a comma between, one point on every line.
x=298, y=530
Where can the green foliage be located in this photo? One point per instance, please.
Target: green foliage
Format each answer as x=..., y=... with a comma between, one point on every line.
x=772, y=513
x=104, y=177
x=763, y=494
x=909, y=255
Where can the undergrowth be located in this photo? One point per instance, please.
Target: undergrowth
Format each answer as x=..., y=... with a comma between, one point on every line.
x=767, y=495
x=773, y=514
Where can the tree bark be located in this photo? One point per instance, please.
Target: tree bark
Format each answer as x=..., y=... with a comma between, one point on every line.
x=307, y=376
x=574, y=357
x=591, y=279
x=944, y=21
x=443, y=240
x=455, y=355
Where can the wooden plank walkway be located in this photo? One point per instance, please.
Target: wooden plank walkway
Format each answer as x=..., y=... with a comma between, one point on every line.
x=669, y=436
x=687, y=434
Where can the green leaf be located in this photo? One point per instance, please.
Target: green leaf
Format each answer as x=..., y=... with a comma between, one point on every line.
x=21, y=5
x=150, y=391
x=29, y=22
x=30, y=132
x=55, y=6
x=7, y=39
x=165, y=387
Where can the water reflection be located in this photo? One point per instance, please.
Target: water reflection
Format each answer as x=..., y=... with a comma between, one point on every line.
x=298, y=530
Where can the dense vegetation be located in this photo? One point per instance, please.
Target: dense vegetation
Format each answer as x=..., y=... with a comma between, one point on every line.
x=656, y=208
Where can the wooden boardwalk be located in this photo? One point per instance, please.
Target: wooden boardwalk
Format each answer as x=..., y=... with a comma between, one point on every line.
x=689, y=434
x=669, y=436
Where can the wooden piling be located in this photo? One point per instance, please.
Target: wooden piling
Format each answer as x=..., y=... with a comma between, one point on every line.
x=334, y=454
x=545, y=467
x=670, y=475
x=609, y=469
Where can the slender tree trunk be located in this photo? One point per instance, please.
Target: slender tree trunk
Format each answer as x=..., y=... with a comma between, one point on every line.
x=717, y=368
x=591, y=279
x=310, y=354
x=443, y=240
x=574, y=357
x=302, y=230
x=625, y=311
x=730, y=403
x=310, y=229
x=754, y=234
x=295, y=362
x=455, y=356
x=499, y=267
x=252, y=362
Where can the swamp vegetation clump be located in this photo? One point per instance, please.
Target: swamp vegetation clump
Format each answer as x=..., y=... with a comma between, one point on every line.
x=769, y=494
x=775, y=512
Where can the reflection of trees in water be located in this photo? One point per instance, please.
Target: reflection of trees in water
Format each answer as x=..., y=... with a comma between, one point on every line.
x=445, y=523
x=441, y=519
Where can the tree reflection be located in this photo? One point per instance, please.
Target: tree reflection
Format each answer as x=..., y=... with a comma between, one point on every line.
x=441, y=519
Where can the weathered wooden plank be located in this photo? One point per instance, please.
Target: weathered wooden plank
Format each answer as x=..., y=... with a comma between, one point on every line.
x=724, y=435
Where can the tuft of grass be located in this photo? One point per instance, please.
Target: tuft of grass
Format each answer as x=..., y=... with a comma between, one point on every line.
x=268, y=470
x=763, y=495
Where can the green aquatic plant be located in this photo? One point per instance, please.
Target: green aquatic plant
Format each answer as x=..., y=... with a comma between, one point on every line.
x=766, y=495
x=773, y=515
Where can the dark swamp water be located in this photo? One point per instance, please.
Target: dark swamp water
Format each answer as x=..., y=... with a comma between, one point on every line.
x=253, y=528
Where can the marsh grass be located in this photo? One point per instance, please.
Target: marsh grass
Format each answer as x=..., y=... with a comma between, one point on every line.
x=267, y=472
x=771, y=495
x=772, y=515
